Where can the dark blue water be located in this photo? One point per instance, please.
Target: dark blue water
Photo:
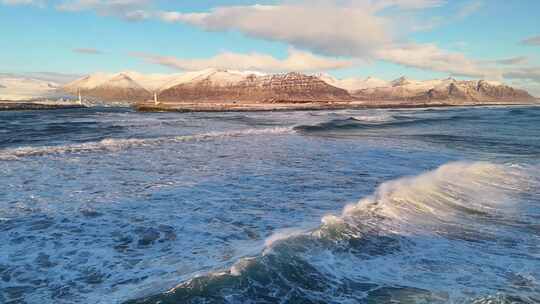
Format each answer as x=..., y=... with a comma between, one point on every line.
x=379, y=206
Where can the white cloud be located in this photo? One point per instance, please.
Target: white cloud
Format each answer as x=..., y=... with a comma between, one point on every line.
x=370, y=30
x=530, y=73
x=431, y=57
x=531, y=40
x=90, y=51
x=406, y=4
x=470, y=8
x=59, y=78
x=132, y=10
x=355, y=30
x=322, y=27
x=526, y=77
x=39, y=3
x=512, y=61
x=296, y=61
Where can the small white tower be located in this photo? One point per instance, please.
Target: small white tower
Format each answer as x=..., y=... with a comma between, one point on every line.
x=80, y=97
x=155, y=98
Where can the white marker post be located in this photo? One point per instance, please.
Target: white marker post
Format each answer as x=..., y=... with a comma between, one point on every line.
x=80, y=97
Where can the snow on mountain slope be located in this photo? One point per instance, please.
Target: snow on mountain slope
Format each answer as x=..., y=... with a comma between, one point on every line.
x=157, y=82
x=152, y=82
x=444, y=89
x=120, y=80
x=88, y=82
x=178, y=79
x=221, y=78
x=228, y=86
x=134, y=86
x=20, y=88
x=353, y=84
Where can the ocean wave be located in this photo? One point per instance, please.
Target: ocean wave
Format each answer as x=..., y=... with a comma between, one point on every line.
x=374, y=118
x=373, y=122
x=458, y=193
x=114, y=145
x=434, y=223
x=383, y=120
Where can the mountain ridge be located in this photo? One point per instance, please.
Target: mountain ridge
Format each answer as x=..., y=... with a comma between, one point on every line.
x=26, y=88
x=217, y=85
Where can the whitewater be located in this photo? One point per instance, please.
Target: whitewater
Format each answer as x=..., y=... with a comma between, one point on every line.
x=107, y=205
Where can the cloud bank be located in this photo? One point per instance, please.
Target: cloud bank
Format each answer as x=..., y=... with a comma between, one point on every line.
x=131, y=10
x=296, y=61
x=370, y=30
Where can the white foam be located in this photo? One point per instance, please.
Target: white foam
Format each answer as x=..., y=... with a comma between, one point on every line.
x=282, y=235
x=433, y=197
x=239, y=267
x=438, y=212
x=452, y=192
x=428, y=262
x=114, y=145
x=374, y=118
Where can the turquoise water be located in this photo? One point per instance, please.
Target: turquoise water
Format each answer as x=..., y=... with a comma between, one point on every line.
x=376, y=206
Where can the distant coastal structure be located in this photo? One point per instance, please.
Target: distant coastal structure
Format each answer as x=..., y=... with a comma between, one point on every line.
x=80, y=97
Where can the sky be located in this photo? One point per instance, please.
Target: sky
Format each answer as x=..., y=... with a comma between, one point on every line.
x=422, y=39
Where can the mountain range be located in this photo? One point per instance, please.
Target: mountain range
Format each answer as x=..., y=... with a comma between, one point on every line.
x=214, y=85
x=17, y=88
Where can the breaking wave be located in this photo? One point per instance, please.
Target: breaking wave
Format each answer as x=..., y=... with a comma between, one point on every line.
x=432, y=238
x=369, y=122
x=380, y=118
x=114, y=145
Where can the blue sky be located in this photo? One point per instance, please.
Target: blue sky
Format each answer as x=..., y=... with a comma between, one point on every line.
x=383, y=38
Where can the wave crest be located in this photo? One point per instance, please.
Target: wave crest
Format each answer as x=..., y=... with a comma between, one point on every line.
x=114, y=145
x=458, y=192
x=367, y=251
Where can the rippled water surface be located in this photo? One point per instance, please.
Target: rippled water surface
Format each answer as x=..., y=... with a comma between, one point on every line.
x=375, y=206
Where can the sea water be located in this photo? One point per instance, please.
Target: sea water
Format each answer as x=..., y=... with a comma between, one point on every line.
x=366, y=206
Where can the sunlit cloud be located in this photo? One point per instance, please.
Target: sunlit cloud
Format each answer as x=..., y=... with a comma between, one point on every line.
x=296, y=61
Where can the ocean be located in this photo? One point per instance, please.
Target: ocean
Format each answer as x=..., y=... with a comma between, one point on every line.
x=107, y=205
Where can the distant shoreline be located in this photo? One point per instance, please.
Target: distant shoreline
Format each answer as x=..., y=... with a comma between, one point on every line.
x=185, y=107
x=311, y=106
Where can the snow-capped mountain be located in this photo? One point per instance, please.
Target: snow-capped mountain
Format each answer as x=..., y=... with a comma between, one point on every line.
x=229, y=85
x=353, y=84
x=153, y=82
x=224, y=86
x=114, y=87
x=443, y=89
x=23, y=88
